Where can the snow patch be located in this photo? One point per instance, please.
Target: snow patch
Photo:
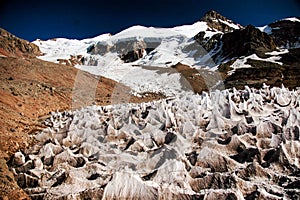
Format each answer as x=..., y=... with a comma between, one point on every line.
x=190, y=30
x=232, y=25
x=267, y=29
x=241, y=62
x=276, y=53
x=293, y=19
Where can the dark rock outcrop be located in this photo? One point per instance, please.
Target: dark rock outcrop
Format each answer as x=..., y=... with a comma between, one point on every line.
x=245, y=42
x=135, y=54
x=215, y=22
x=209, y=44
x=262, y=72
x=128, y=50
x=286, y=33
x=233, y=42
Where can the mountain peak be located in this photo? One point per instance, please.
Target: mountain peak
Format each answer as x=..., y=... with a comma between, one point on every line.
x=218, y=22
x=213, y=15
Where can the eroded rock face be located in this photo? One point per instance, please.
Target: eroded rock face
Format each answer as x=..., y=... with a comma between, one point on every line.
x=231, y=144
x=235, y=43
x=219, y=24
x=209, y=44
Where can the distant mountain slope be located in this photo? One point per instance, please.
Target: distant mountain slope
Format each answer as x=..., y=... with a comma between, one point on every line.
x=214, y=43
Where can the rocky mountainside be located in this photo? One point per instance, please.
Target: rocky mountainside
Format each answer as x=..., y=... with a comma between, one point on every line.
x=246, y=42
x=11, y=45
x=285, y=72
x=256, y=55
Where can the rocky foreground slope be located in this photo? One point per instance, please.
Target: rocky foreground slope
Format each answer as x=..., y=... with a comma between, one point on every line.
x=230, y=144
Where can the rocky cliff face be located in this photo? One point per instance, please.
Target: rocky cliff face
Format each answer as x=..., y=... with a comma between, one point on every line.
x=286, y=33
x=239, y=42
x=235, y=44
x=216, y=23
x=262, y=70
x=233, y=40
x=245, y=42
x=11, y=45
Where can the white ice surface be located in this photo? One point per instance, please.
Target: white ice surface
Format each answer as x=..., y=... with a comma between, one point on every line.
x=276, y=53
x=140, y=80
x=62, y=48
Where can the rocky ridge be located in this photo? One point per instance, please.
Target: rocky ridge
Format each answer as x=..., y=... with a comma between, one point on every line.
x=217, y=22
x=11, y=45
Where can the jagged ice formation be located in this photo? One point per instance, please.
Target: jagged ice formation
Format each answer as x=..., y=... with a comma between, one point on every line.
x=237, y=144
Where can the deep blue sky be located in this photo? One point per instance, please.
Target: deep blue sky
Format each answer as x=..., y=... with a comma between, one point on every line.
x=79, y=19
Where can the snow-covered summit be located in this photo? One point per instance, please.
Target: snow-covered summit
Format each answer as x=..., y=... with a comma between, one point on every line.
x=113, y=56
x=137, y=55
x=293, y=19
x=61, y=48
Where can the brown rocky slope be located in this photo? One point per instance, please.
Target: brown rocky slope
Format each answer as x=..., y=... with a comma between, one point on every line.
x=11, y=45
